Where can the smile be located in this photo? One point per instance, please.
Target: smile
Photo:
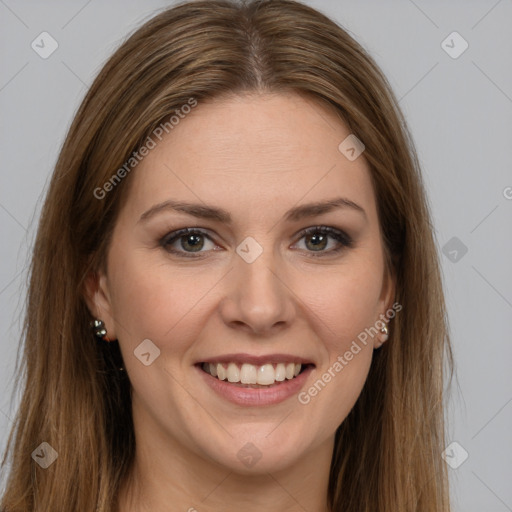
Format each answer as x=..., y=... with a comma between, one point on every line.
x=249, y=374
x=247, y=380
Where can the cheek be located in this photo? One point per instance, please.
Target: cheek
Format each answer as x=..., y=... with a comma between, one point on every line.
x=344, y=303
x=343, y=307
x=158, y=302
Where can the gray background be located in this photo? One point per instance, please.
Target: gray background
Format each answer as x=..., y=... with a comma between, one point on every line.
x=460, y=114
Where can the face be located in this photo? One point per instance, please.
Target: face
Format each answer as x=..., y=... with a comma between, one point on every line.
x=283, y=264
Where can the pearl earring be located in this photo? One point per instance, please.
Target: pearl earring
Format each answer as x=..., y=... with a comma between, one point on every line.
x=383, y=336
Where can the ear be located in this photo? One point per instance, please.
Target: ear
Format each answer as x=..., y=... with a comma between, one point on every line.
x=97, y=298
x=386, y=301
x=387, y=297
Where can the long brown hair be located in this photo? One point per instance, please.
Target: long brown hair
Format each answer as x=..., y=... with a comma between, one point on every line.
x=387, y=454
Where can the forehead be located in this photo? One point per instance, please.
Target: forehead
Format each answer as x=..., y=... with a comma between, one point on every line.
x=252, y=151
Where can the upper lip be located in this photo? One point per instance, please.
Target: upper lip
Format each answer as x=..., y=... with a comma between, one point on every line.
x=256, y=360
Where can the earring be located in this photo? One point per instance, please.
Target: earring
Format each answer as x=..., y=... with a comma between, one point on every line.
x=99, y=329
x=383, y=337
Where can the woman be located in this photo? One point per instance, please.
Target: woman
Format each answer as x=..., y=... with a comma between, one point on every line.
x=235, y=297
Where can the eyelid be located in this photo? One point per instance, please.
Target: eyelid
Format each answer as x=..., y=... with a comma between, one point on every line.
x=343, y=239
x=175, y=235
x=334, y=232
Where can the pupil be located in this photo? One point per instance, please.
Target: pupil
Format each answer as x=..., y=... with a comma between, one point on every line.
x=320, y=240
x=192, y=240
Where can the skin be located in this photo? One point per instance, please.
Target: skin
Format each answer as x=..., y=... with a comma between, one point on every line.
x=255, y=156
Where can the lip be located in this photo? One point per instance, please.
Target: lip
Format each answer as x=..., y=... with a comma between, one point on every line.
x=256, y=360
x=256, y=396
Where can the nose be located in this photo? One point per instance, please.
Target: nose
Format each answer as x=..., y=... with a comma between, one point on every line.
x=258, y=299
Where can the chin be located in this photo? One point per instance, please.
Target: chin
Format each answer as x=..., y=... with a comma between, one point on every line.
x=258, y=452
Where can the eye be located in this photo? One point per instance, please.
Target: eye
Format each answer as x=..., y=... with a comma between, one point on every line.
x=191, y=242
x=316, y=239
x=188, y=240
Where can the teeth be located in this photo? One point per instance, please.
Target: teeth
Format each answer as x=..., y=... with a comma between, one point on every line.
x=264, y=375
x=233, y=373
x=280, y=372
x=249, y=374
x=221, y=372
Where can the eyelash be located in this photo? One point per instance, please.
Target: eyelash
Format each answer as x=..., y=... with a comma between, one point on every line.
x=344, y=240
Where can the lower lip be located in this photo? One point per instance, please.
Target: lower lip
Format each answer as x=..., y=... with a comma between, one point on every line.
x=256, y=396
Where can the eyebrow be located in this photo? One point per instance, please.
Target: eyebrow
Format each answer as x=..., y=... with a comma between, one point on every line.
x=212, y=213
